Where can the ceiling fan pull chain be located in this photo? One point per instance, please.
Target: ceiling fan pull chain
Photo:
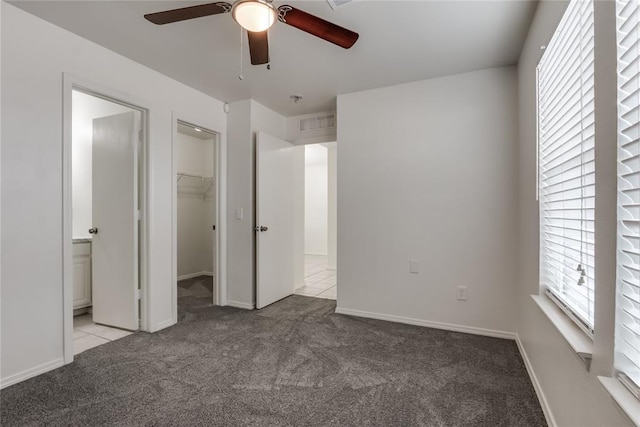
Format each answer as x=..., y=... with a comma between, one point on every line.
x=240, y=76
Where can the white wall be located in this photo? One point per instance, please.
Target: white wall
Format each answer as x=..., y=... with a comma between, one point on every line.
x=85, y=108
x=210, y=208
x=427, y=172
x=35, y=54
x=1, y=186
x=573, y=395
x=332, y=206
x=195, y=207
x=298, y=226
x=192, y=236
x=245, y=119
x=316, y=200
x=240, y=234
x=194, y=155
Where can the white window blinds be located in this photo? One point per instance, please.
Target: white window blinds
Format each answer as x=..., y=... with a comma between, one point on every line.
x=566, y=163
x=627, y=341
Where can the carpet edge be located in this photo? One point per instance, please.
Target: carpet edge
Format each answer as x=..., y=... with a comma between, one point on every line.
x=31, y=372
x=427, y=323
x=238, y=304
x=192, y=275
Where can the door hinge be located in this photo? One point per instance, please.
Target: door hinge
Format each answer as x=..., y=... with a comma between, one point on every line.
x=140, y=136
x=138, y=294
x=214, y=228
x=139, y=215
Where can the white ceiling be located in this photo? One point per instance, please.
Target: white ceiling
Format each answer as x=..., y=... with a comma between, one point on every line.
x=400, y=41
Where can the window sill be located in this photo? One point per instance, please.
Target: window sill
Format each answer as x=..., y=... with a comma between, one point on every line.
x=579, y=342
x=623, y=398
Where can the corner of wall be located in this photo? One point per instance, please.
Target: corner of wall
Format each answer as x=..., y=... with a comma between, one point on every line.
x=542, y=398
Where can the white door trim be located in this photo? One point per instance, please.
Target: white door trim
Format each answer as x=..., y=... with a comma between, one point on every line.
x=71, y=82
x=220, y=183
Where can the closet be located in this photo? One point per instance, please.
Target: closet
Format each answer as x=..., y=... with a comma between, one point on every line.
x=196, y=199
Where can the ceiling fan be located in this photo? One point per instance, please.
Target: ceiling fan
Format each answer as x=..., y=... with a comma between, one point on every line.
x=257, y=16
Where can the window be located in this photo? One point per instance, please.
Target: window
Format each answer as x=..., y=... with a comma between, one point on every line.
x=627, y=339
x=566, y=164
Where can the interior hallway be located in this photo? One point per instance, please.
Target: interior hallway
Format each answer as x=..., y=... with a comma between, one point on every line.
x=319, y=280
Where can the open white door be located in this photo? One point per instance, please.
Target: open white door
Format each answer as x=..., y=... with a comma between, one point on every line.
x=115, y=221
x=274, y=219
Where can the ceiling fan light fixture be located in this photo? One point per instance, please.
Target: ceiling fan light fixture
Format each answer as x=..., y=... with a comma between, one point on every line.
x=254, y=15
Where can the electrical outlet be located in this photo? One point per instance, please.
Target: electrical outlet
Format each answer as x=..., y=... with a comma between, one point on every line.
x=462, y=293
x=239, y=214
x=414, y=266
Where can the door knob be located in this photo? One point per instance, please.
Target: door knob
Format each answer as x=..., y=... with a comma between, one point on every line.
x=261, y=228
x=93, y=230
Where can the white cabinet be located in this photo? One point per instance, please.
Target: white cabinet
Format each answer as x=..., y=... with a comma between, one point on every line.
x=81, y=274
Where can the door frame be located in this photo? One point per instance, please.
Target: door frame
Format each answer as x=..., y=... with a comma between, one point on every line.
x=70, y=83
x=220, y=235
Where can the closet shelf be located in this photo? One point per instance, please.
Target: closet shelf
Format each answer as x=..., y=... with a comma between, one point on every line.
x=190, y=175
x=193, y=184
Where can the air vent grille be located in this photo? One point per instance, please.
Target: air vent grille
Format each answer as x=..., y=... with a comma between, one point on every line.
x=318, y=122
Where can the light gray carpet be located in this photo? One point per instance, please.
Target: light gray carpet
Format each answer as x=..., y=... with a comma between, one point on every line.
x=294, y=363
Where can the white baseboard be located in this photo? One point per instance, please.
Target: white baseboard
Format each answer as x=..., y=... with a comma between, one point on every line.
x=313, y=253
x=243, y=305
x=30, y=373
x=83, y=310
x=428, y=323
x=164, y=324
x=192, y=275
x=551, y=421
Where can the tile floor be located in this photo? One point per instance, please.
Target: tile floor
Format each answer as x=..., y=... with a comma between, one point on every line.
x=87, y=334
x=320, y=282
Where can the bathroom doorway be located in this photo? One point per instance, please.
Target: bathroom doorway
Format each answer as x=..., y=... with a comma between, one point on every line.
x=195, y=151
x=107, y=188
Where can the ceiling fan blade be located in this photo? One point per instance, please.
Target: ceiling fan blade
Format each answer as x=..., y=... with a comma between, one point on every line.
x=317, y=26
x=175, y=15
x=258, y=47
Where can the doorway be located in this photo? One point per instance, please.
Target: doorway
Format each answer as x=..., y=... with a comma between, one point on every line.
x=280, y=220
x=320, y=269
x=107, y=189
x=196, y=207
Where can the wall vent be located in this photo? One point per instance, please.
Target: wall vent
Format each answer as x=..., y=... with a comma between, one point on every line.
x=327, y=121
x=337, y=3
